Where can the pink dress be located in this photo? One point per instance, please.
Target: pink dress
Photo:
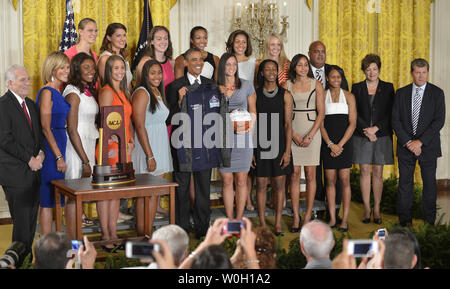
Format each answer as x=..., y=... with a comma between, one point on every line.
x=168, y=74
x=72, y=51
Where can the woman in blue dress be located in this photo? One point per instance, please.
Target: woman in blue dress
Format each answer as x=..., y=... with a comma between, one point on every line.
x=152, y=152
x=241, y=95
x=53, y=109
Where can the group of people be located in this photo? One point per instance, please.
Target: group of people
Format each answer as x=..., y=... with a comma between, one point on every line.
x=301, y=112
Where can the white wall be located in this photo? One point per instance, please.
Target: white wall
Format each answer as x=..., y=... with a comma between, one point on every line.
x=11, y=46
x=218, y=20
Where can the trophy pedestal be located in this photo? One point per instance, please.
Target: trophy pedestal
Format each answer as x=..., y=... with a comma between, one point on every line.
x=120, y=173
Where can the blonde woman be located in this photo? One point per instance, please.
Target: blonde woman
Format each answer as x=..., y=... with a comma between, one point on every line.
x=87, y=35
x=53, y=111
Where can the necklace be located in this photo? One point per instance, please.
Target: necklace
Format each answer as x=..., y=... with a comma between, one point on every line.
x=270, y=94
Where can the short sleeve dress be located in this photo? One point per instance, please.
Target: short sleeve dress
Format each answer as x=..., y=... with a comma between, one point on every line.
x=242, y=147
x=60, y=110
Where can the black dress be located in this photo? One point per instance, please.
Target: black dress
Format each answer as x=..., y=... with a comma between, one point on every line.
x=269, y=151
x=336, y=122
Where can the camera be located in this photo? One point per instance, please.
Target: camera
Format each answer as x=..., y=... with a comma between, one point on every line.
x=14, y=255
x=362, y=248
x=381, y=234
x=140, y=250
x=232, y=227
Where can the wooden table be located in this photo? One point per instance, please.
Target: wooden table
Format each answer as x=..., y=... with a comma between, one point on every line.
x=81, y=190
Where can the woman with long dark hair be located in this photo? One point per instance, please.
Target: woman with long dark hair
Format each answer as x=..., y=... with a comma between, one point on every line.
x=309, y=112
x=241, y=96
x=274, y=114
x=152, y=153
x=82, y=131
x=114, y=92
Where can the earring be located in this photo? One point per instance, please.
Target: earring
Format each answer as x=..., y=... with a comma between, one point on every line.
x=52, y=79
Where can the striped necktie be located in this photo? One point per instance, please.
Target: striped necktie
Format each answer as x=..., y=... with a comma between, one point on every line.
x=319, y=76
x=416, y=109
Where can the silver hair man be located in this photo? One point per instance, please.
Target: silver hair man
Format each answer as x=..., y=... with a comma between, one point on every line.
x=316, y=241
x=177, y=240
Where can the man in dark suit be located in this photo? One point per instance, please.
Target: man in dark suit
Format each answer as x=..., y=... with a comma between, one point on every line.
x=318, y=56
x=176, y=100
x=21, y=154
x=417, y=117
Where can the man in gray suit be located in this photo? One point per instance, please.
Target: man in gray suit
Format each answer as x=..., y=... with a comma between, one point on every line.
x=316, y=242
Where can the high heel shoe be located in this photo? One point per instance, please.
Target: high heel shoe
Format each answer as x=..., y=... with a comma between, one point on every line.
x=377, y=221
x=109, y=250
x=296, y=229
x=367, y=220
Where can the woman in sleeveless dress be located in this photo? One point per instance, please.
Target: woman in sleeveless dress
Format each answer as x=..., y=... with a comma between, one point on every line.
x=53, y=111
x=241, y=96
x=160, y=48
x=87, y=35
x=199, y=39
x=114, y=43
x=114, y=92
x=337, y=153
x=309, y=112
x=272, y=156
x=81, y=128
x=152, y=153
x=239, y=45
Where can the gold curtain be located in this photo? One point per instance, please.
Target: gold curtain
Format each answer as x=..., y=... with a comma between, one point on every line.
x=43, y=22
x=399, y=33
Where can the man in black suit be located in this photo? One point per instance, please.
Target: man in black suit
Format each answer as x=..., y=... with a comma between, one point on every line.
x=21, y=154
x=318, y=56
x=417, y=117
x=176, y=92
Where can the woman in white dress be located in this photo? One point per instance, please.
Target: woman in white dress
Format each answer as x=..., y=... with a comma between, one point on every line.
x=81, y=128
x=152, y=152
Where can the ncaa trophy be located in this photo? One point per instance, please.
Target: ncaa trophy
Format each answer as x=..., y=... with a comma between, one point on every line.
x=112, y=124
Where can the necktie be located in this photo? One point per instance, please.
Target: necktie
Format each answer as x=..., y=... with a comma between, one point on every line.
x=318, y=75
x=26, y=113
x=416, y=110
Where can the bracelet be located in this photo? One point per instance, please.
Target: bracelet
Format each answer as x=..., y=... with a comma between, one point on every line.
x=150, y=158
x=329, y=143
x=85, y=164
x=288, y=155
x=251, y=261
x=58, y=158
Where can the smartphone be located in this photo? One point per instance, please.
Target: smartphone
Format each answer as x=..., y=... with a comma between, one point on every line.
x=76, y=244
x=140, y=250
x=232, y=227
x=362, y=248
x=381, y=234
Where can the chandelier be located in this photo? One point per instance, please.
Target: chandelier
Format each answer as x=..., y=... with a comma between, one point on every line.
x=260, y=19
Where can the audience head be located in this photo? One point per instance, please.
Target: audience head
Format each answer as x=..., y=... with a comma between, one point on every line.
x=56, y=66
x=83, y=72
x=18, y=80
x=87, y=31
x=334, y=76
x=317, y=54
x=300, y=66
x=51, y=251
x=371, y=65
x=198, y=38
x=228, y=65
x=213, y=257
x=402, y=250
x=176, y=238
x=274, y=47
x=159, y=41
x=266, y=248
x=115, y=40
x=115, y=72
x=316, y=240
x=267, y=71
x=239, y=43
x=419, y=71
x=194, y=61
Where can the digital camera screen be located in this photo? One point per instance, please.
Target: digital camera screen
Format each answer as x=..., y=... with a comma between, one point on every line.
x=362, y=249
x=142, y=249
x=234, y=226
x=75, y=245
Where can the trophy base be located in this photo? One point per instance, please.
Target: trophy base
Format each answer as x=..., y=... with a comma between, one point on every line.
x=113, y=174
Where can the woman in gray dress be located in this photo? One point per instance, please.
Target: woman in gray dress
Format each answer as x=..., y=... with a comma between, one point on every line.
x=241, y=96
x=372, y=141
